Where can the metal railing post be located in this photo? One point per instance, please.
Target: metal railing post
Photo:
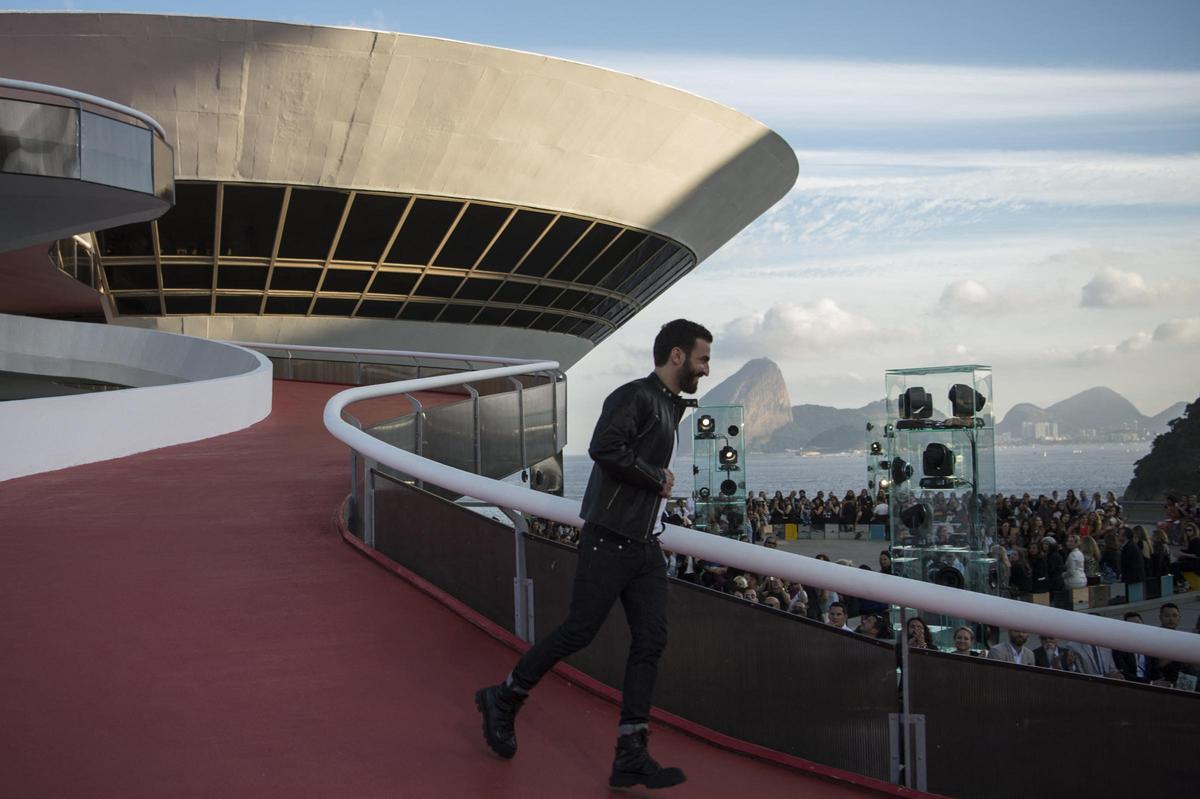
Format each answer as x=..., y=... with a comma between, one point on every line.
x=476, y=422
x=368, y=532
x=358, y=378
x=523, y=616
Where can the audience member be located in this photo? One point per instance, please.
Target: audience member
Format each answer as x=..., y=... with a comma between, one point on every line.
x=837, y=616
x=1048, y=655
x=964, y=641
x=1135, y=666
x=1013, y=650
x=1168, y=619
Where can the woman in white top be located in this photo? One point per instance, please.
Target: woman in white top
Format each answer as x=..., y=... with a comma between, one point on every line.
x=1075, y=576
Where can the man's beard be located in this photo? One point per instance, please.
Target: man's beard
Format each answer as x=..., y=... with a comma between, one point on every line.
x=689, y=380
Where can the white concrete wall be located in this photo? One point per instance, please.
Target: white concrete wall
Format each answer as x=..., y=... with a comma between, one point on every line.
x=187, y=389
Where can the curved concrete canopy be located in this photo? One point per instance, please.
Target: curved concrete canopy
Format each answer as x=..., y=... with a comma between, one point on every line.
x=283, y=103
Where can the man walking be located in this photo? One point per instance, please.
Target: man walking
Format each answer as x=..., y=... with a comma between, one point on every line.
x=619, y=554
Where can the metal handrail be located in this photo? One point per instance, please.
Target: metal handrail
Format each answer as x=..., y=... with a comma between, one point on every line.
x=1012, y=614
x=80, y=98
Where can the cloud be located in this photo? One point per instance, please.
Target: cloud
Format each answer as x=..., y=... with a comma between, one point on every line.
x=1113, y=288
x=789, y=331
x=1185, y=331
x=859, y=94
x=965, y=296
x=1108, y=352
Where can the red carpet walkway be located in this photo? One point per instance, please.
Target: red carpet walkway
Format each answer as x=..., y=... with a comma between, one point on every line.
x=186, y=622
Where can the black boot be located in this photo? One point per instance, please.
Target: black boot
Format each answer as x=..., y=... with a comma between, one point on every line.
x=499, y=705
x=634, y=766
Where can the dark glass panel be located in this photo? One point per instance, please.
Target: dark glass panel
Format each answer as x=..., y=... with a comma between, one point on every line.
x=187, y=276
x=520, y=234
x=288, y=305
x=612, y=256
x=334, y=306
x=566, y=231
x=589, y=303
x=312, y=219
x=240, y=304
x=568, y=299
x=345, y=280
x=458, y=313
x=472, y=233
x=520, y=318
x=423, y=231
x=513, y=292
x=546, y=321
x=379, y=309
x=492, y=316
x=201, y=304
x=249, y=219
x=543, y=295
x=368, y=227
x=665, y=276
x=437, y=286
x=421, y=311
x=138, y=306
x=393, y=283
x=477, y=289
x=288, y=278
x=592, y=331
x=139, y=276
x=631, y=262
x=604, y=306
x=570, y=326
x=187, y=229
x=126, y=240
x=578, y=259
x=241, y=277
x=645, y=273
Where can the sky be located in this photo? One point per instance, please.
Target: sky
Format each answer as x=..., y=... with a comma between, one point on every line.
x=1015, y=184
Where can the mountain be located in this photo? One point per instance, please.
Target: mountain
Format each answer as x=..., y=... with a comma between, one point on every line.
x=1094, y=412
x=1173, y=464
x=758, y=386
x=825, y=427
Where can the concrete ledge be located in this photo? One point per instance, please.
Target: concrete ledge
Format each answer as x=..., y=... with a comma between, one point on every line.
x=184, y=389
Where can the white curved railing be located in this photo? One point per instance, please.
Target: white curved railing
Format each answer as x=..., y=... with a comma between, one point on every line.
x=80, y=98
x=1012, y=614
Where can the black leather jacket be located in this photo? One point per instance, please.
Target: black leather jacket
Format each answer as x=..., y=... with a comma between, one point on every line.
x=631, y=450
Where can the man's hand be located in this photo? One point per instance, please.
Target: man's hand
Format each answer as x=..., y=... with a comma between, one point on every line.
x=668, y=484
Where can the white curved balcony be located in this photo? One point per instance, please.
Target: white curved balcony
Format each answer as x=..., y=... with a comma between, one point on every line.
x=72, y=163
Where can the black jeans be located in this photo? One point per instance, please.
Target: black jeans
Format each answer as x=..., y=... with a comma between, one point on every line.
x=611, y=566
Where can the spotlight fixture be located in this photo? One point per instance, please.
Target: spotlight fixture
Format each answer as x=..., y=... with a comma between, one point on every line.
x=885, y=464
x=870, y=426
x=728, y=456
x=705, y=426
x=728, y=488
x=885, y=483
x=703, y=493
x=876, y=448
x=871, y=484
x=901, y=470
x=965, y=401
x=734, y=430
x=914, y=404
x=937, y=460
x=915, y=516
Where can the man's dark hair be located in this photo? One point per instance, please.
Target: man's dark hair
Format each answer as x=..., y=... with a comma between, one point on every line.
x=833, y=605
x=1168, y=605
x=679, y=333
x=1132, y=614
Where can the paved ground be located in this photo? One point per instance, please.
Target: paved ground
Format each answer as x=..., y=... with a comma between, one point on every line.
x=187, y=623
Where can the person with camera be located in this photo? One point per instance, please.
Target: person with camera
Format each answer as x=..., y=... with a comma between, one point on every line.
x=619, y=554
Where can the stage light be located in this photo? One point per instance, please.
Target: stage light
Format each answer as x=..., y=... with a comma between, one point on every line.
x=734, y=430
x=965, y=401
x=901, y=470
x=876, y=448
x=728, y=488
x=885, y=483
x=915, y=516
x=706, y=425
x=937, y=460
x=728, y=456
x=914, y=404
x=885, y=464
x=870, y=426
x=703, y=493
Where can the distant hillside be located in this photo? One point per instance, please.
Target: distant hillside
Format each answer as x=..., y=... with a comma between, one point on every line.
x=1173, y=464
x=758, y=386
x=1099, y=409
x=827, y=428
